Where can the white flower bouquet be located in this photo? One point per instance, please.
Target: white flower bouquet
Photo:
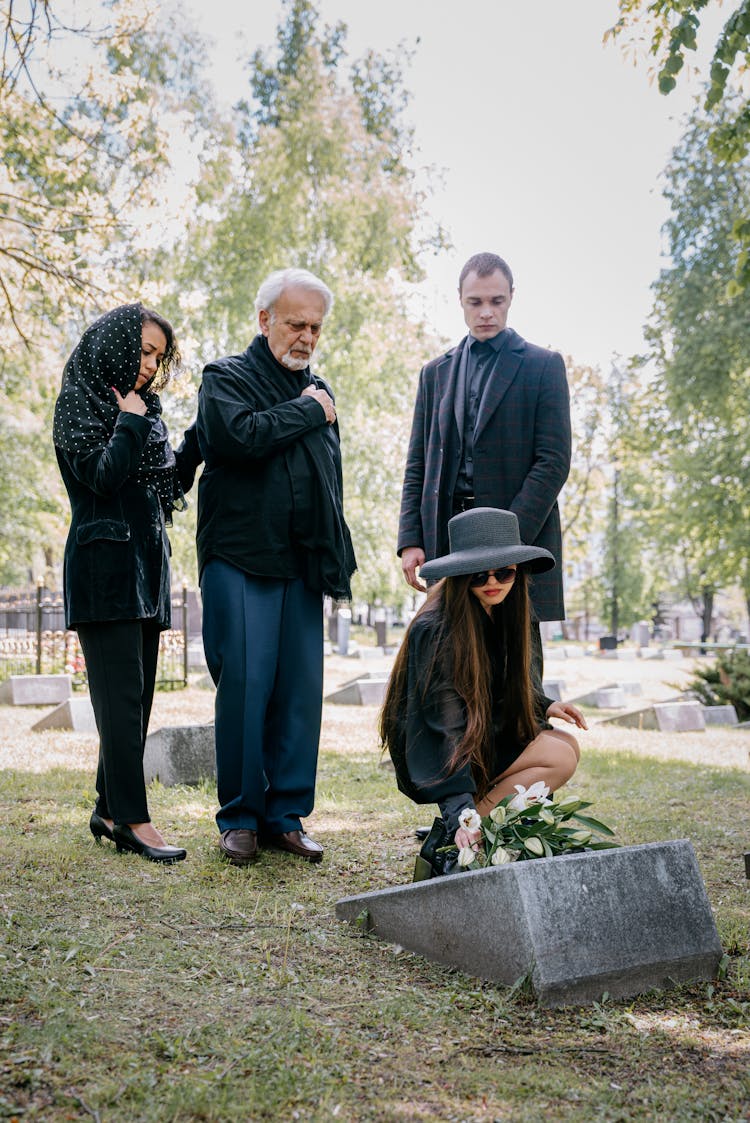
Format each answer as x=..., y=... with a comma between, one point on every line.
x=530, y=825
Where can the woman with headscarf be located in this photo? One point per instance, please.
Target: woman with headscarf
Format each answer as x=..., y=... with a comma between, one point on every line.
x=465, y=718
x=123, y=480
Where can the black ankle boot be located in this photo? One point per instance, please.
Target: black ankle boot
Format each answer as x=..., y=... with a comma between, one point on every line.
x=433, y=860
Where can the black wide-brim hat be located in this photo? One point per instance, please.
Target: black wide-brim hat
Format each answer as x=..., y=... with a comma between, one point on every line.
x=485, y=538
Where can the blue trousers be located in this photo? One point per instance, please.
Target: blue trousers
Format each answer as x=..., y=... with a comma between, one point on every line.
x=263, y=640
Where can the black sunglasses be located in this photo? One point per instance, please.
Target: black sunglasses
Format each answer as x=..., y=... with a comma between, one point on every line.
x=502, y=576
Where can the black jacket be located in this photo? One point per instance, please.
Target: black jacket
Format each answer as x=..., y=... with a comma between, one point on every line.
x=270, y=497
x=434, y=720
x=521, y=455
x=117, y=554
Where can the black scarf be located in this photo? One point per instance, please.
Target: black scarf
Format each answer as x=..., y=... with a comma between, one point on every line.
x=109, y=355
x=313, y=464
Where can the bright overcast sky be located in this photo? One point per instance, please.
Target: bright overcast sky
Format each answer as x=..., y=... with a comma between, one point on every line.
x=551, y=147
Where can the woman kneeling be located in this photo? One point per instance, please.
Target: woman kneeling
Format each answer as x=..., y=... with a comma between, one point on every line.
x=465, y=718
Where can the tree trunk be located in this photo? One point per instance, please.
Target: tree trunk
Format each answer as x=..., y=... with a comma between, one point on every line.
x=706, y=614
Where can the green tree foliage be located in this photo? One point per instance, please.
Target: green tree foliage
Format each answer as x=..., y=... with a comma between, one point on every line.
x=85, y=144
x=671, y=29
x=694, y=410
x=622, y=585
x=726, y=682
x=88, y=103
x=606, y=567
x=582, y=502
x=318, y=175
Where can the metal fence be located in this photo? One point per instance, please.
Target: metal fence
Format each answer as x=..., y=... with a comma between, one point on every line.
x=34, y=640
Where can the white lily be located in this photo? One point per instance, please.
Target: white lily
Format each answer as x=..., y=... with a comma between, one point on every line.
x=536, y=793
x=469, y=819
x=497, y=814
x=466, y=856
x=500, y=857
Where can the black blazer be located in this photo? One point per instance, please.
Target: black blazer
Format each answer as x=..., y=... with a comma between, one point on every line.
x=522, y=449
x=116, y=564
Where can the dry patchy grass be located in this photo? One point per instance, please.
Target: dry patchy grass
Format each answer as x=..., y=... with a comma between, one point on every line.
x=205, y=992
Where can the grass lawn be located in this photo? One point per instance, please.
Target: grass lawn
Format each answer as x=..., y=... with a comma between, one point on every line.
x=205, y=992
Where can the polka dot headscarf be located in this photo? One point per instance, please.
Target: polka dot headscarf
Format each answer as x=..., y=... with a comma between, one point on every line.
x=86, y=411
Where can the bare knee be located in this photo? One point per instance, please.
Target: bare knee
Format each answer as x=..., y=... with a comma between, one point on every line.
x=558, y=743
x=561, y=753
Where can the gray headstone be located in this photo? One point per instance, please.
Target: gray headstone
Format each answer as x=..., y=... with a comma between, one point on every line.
x=180, y=754
x=35, y=690
x=76, y=714
x=635, y=689
x=611, y=921
x=367, y=690
x=196, y=655
x=720, y=715
x=679, y=717
x=205, y=682
x=554, y=688
x=644, y=719
x=609, y=697
x=343, y=630
x=668, y=717
x=612, y=698
x=641, y=633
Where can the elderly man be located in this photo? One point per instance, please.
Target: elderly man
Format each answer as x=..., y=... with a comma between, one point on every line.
x=491, y=429
x=271, y=541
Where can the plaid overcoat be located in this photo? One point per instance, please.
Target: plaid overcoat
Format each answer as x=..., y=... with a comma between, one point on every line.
x=522, y=446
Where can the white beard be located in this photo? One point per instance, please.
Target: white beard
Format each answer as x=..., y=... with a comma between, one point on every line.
x=294, y=364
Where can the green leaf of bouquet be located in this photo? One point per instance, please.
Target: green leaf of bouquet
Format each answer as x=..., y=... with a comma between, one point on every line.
x=569, y=801
x=593, y=824
x=602, y=844
x=548, y=851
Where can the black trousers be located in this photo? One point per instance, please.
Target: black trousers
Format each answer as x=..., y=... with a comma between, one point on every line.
x=121, y=658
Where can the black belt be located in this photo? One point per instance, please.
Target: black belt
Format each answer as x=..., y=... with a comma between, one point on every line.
x=463, y=503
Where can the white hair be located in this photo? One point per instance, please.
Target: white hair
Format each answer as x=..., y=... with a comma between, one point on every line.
x=275, y=283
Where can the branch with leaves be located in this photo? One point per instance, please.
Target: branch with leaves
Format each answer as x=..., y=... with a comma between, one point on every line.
x=671, y=30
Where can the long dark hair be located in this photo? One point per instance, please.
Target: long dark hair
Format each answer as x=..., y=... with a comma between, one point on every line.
x=461, y=654
x=172, y=357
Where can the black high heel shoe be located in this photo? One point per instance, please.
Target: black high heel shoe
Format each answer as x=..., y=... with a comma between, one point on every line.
x=126, y=839
x=99, y=828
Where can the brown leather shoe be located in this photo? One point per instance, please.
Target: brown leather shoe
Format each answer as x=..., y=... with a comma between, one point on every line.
x=240, y=847
x=299, y=843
